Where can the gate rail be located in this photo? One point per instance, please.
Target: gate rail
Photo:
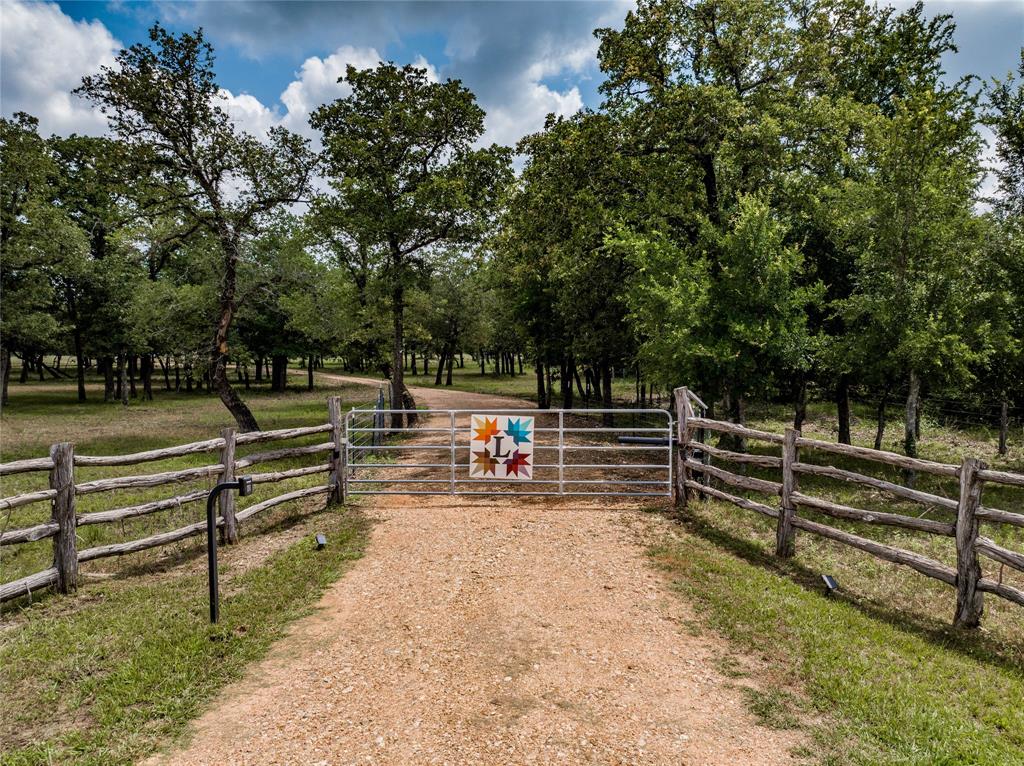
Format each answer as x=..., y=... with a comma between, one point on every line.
x=556, y=443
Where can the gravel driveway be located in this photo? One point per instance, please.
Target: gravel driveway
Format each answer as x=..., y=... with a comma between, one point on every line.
x=491, y=631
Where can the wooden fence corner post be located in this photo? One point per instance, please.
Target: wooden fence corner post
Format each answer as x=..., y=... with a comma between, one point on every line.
x=338, y=468
x=226, y=501
x=65, y=544
x=969, y=601
x=683, y=411
x=785, y=536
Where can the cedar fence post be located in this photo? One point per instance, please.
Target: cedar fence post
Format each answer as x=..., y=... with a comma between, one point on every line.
x=969, y=603
x=785, y=543
x=65, y=544
x=338, y=468
x=226, y=501
x=682, y=452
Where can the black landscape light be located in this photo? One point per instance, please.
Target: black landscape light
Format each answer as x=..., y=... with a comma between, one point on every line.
x=831, y=586
x=321, y=542
x=243, y=484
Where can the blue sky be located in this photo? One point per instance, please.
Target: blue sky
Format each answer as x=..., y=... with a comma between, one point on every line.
x=277, y=60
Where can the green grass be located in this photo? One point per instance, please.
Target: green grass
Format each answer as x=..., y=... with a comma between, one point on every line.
x=881, y=686
x=877, y=674
x=40, y=414
x=111, y=675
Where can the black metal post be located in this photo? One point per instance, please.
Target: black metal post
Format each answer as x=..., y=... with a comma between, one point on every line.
x=244, y=486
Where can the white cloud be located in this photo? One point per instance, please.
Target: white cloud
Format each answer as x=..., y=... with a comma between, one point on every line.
x=316, y=83
x=526, y=112
x=43, y=56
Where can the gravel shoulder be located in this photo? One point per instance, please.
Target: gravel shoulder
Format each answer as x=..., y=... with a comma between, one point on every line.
x=487, y=631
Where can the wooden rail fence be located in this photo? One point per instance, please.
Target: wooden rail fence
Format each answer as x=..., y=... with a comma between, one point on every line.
x=63, y=491
x=693, y=459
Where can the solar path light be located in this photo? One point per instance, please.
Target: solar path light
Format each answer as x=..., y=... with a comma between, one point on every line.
x=244, y=486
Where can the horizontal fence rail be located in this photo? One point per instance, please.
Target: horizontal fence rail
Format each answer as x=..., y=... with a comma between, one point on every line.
x=63, y=491
x=694, y=473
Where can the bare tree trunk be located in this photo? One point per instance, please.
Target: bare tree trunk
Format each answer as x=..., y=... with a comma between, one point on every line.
x=440, y=366
x=606, y=391
x=843, y=408
x=309, y=373
x=542, y=399
x=108, y=378
x=133, y=365
x=800, y=403
x=451, y=362
x=5, y=374
x=1004, y=423
x=122, y=388
x=146, y=364
x=76, y=335
x=413, y=370
x=219, y=349
x=259, y=369
x=568, y=365
x=909, y=424
x=880, y=418
x=398, y=392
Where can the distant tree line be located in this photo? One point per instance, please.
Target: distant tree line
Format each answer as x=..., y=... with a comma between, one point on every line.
x=774, y=201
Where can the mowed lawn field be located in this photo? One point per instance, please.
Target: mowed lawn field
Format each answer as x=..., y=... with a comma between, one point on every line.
x=874, y=674
x=106, y=676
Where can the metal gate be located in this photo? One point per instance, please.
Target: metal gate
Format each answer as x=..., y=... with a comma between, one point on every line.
x=577, y=452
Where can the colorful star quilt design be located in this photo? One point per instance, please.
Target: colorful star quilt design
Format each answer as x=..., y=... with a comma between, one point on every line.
x=501, y=447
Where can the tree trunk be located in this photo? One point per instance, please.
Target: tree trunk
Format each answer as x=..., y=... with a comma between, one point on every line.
x=25, y=369
x=909, y=424
x=440, y=366
x=76, y=335
x=520, y=364
x=108, y=378
x=800, y=404
x=1004, y=423
x=606, y=392
x=568, y=364
x=164, y=365
x=483, y=362
x=413, y=368
x=147, y=376
x=542, y=399
x=279, y=372
x=40, y=368
x=219, y=349
x=5, y=374
x=843, y=408
x=133, y=368
x=122, y=388
x=309, y=373
x=259, y=369
x=177, y=375
x=880, y=419
x=451, y=362
x=399, y=393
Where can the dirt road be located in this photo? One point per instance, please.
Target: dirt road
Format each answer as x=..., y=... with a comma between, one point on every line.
x=491, y=631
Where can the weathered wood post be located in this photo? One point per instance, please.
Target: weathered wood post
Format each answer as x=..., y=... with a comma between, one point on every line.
x=969, y=603
x=338, y=456
x=226, y=501
x=785, y=536
x=683, y=413
x=65, y=544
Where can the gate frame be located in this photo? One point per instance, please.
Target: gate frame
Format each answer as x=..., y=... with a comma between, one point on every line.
x=378, y=430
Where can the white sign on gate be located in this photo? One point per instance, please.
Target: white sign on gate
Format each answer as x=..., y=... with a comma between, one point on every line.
x=501, y=447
